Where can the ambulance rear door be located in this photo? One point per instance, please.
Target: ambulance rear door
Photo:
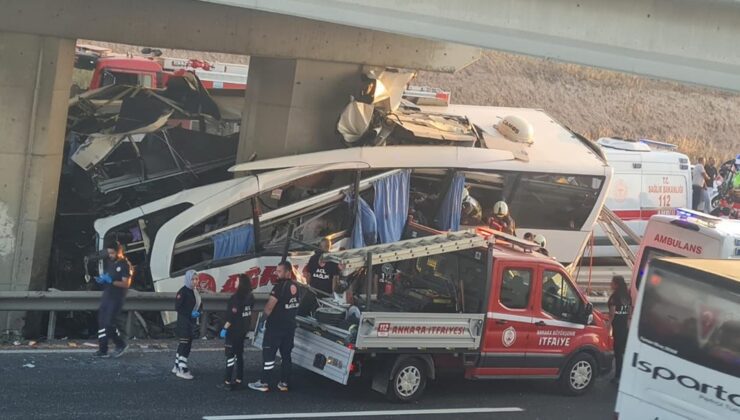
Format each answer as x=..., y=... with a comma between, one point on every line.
x=666, y=186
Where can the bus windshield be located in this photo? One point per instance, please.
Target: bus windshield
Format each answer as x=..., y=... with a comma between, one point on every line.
x=648, y=254
x=692, y=317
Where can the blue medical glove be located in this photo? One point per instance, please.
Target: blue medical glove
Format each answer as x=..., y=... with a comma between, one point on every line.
x=223, y=333
x=106, y=279
x=98, y=280
x=195, y=314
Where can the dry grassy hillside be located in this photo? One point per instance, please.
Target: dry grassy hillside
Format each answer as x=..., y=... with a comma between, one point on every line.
x=593, y=102
x=599, y=103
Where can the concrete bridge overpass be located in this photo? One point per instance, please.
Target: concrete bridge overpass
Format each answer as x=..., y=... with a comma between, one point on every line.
x=690, y=41
x=307, y=57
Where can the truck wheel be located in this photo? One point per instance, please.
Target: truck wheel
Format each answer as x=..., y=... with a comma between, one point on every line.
x=408, y=380
x=578, y=375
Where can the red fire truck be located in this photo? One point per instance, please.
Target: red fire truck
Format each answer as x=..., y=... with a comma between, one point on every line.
x=153, y=71
x=479, y=301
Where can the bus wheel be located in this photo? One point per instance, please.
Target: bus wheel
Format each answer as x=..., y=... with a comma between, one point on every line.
x=578, y=375
x=408, y=380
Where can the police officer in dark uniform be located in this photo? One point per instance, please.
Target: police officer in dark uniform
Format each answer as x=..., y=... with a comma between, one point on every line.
x=188, y=306
x=115, y=280
x=620, y=312
x=280, y=310
x=239, y=319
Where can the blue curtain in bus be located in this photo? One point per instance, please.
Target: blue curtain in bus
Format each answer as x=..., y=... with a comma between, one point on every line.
x=365, y=230
x=233, y=242
x=448, y=217
x=391, y=205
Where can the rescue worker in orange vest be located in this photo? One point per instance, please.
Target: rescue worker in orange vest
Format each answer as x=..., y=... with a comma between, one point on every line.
x=501, y=219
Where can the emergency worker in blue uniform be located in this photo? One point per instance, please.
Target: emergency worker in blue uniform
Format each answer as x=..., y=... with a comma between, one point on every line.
x=114, y=281
x=280, y=311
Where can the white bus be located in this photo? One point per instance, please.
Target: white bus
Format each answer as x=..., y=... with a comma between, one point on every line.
x=554, y=181
x=682, y=359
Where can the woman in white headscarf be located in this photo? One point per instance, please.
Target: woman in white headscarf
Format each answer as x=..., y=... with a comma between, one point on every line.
x=188, y=307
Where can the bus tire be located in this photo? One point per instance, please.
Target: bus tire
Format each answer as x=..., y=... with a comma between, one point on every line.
x=579, y=374
x=408, y=380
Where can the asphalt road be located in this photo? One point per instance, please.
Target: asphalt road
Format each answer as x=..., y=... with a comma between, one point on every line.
x=139, y=385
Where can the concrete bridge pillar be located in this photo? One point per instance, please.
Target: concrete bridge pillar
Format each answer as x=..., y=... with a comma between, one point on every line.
x=35, y=77
x=292, y=105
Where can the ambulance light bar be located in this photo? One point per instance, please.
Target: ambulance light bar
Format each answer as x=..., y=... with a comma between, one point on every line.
x=698, y=217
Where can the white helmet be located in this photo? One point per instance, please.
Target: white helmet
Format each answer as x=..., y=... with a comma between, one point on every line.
x=500, y=209
x=471, y=209
x=540, y=240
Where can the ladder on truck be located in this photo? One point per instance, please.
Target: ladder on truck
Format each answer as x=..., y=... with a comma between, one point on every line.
x=354, y=259
x=612, y=225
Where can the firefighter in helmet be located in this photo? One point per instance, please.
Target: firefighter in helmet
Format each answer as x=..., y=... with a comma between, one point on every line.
x=471, y=213
x=540, y=240
x=501, y=219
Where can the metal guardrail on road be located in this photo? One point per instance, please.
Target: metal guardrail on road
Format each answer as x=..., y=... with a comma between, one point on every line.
x=59, y=301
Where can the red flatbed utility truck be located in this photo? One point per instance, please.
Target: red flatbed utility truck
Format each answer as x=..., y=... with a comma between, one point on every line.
x=478, y=301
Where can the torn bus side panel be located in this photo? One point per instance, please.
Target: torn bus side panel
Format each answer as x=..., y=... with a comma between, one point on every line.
x=129, y=145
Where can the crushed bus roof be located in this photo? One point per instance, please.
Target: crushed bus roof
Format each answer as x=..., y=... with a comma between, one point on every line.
x=552, y=141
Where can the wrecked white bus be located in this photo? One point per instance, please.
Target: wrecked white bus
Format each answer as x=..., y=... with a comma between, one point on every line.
x=554, y=181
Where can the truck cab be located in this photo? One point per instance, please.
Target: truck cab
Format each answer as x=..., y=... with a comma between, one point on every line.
x=132, y=71
x=96, y=67
x=479, y=302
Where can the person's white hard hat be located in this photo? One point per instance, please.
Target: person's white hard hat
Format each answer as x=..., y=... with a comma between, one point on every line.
x=540, y=240
x=500, y=209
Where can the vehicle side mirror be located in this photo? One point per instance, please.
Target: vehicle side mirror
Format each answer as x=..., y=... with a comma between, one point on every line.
x=587, y=315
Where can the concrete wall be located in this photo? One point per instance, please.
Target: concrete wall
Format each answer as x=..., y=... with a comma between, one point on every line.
x=35, y=76
x=292, y=106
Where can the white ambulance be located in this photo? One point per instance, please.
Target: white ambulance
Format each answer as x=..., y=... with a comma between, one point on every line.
x=688, y=234
x=683, y=348
x=649, y=178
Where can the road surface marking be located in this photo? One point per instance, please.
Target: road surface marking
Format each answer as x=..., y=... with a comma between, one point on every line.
x=369, y=413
